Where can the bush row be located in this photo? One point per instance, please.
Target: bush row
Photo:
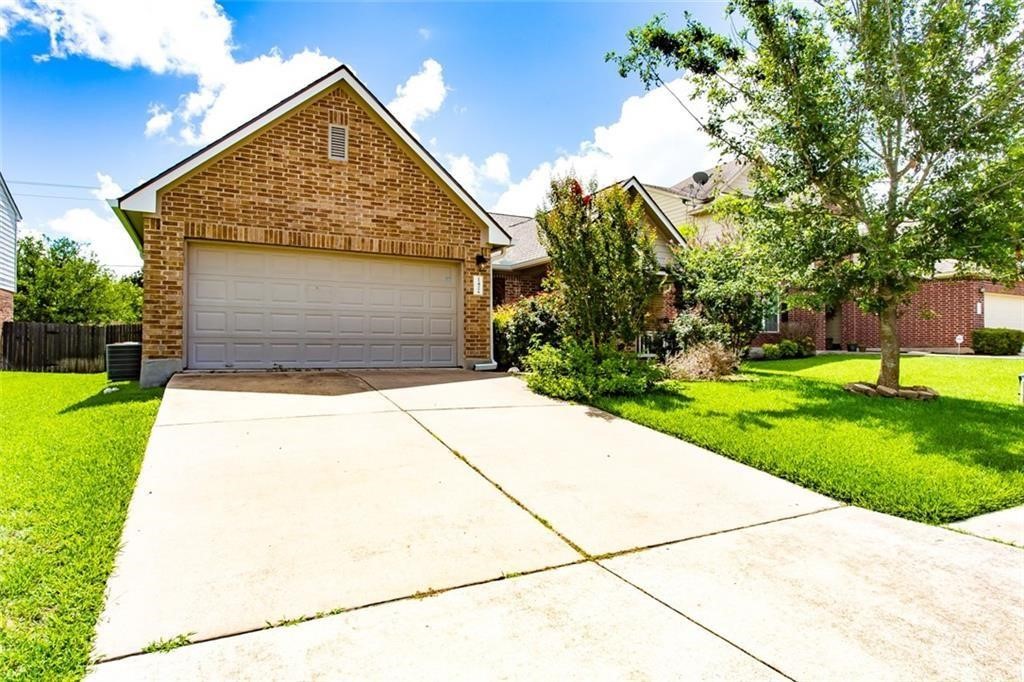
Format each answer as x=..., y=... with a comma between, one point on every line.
x=997, y=341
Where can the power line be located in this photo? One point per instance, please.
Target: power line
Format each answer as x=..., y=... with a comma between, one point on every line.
x=54, y=196
x=49, y=184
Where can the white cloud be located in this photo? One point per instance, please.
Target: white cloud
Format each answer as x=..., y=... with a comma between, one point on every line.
x=421, y=96
x=185, y=38
x=194, y=38
x=425, y=33
x=654, y=139
x=108, y=189
x=103, y=234
x=160, y=119
x=98, y=228
x=247, y=89
x=493, y=170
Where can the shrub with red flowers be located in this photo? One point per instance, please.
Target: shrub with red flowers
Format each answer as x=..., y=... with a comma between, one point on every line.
x=602, y=260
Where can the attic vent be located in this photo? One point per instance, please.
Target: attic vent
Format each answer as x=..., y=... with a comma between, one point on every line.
x=337, y=143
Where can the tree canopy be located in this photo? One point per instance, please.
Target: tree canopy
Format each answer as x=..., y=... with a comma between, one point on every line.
x=883, y=136
x=602, y=259
x=59, y=281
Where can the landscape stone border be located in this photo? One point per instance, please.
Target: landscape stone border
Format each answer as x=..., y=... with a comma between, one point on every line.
x=904, y=392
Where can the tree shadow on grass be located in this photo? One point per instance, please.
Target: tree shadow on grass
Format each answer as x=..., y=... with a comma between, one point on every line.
x=128, y=392
x=986, y=434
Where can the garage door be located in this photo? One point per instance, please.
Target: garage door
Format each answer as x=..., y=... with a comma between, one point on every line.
x=1002, y=310
x=252, y=307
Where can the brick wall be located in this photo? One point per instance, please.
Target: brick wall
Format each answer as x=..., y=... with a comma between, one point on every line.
x=934, y=315
x=814, y=320
x=513, y=285
x=6, y=306
x=279, y=188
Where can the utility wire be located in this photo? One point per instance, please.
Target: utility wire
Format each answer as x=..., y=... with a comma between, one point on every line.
x=48, y=184
x=55, y=196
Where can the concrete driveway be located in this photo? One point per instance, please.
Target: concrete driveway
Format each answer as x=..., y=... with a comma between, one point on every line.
x=449, y=524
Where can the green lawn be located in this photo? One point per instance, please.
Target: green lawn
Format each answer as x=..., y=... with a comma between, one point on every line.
x=940, y=461
x=69, y=456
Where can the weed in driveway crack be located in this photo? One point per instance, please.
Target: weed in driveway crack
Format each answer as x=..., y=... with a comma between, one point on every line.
x=165, y=645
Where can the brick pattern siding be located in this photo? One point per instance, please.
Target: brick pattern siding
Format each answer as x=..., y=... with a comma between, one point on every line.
x=798, y=316
x=279, y=188
x=513, y=285
x=6, y=306
x=934, y=315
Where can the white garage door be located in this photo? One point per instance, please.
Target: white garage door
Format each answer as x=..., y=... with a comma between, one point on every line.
x=253, y=307
x=1002, y=310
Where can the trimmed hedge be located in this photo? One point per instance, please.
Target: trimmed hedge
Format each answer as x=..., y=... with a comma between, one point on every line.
x=997, y=341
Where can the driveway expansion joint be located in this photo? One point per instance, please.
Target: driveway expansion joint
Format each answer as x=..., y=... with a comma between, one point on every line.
x=696, y=622
x=422, y=594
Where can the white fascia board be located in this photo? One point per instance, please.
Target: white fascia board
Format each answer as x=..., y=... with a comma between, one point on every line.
x=521, y=265
x=633, y=183
x=144, y=197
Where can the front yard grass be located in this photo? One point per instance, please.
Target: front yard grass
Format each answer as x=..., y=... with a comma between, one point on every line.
x=69, y=456
x=937, y=462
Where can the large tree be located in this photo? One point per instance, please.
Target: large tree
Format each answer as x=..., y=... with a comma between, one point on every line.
x=59, y=281
x=884, y=136
x=602, y=260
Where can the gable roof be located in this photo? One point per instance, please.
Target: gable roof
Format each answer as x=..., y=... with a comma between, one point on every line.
x=526, y=249
x=143, y=199
x=10, y=197
x=731, y=176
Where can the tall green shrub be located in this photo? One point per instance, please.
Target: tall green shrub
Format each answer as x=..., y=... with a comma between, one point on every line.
x=526, y=324
x=602, y=260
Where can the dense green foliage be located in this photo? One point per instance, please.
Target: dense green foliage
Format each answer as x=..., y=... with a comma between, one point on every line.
x=525, y=324
x=69, y=456
x=58, y=281
x=723, y=285
x=581, y=372
x=602, y=260
x=937, y=461
x=789, y=348
x=883, y=136
x=997, y=341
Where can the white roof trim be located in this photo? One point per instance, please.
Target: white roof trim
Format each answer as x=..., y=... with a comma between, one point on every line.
x=539, y=260
x=633, y=183
x=10, y=198
x=144, y=197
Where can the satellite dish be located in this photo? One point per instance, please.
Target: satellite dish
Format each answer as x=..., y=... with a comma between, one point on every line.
x=701, y=178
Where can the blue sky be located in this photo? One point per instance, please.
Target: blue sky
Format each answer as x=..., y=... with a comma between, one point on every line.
x=502, y=94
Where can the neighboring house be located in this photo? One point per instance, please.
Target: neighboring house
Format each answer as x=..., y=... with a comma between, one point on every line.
x=322, y=234
x=9, y=217
x=945, y=306
x=520, y=269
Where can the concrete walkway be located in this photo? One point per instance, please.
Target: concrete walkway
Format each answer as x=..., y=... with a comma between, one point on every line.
x=1005, y=526
x=460, y=527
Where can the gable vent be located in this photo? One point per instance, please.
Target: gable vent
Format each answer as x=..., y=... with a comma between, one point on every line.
x=337, y=143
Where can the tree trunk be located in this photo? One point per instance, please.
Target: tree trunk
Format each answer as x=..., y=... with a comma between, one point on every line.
x=888, y=326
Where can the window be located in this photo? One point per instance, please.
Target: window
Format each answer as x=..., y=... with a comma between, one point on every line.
x=337, y=143
x=770, y=321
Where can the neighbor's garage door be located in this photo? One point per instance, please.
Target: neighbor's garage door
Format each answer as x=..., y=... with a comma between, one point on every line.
x=253, y=307
x=1003, y=310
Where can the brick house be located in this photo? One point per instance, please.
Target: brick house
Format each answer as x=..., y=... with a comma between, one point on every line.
x=520, y=268
x=944, y=306
x=9, y=217
x=320, y=233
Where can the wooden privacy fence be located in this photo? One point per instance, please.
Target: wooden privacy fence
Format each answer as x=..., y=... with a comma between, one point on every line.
x=47, y=347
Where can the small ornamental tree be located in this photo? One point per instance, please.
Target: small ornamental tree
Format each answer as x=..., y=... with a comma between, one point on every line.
x=723, y=283
x=602, y=260
x=883, y=136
